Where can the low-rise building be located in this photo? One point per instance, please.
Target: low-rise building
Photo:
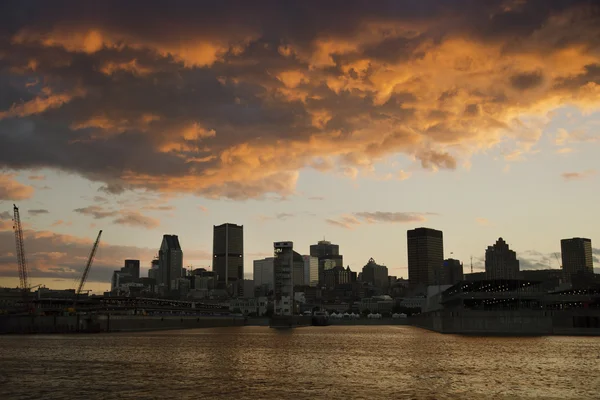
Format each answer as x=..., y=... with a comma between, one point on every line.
x=249, y=306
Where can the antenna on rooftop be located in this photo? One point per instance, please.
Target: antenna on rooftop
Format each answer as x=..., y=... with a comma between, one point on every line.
x=471, y=264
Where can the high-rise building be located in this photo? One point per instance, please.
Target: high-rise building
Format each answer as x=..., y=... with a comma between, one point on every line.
x=452, y=272
x=339, y=276
x=132, y=267
x=228, y=257
x=501, y=262
x=284, y=283
x=311, y=271
x=425, y=256
x=264, y=275
x=154, y=271
x=576, y=257
x=298, y=270
x=375, y=274
x=170, y=262
x=328, y=255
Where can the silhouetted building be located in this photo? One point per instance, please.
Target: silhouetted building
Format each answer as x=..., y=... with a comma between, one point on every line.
x=154, y=272
x=576, y=257
x=298, y=270
x=264, y=275
x=375, y=274
x=228, y=257
x=328, y=255
x=452, y=272
x=284, y=284
x=501, y=262
x=132, y=267
x=337, y=276
x=170, y=262
x=425, y=256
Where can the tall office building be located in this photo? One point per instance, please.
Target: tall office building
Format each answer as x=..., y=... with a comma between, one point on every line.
x=452, y=272
x=375, y=274
x=311, y=271
x=328, y=255
x=501, y=262
x=170, y=262
x=264, y=275
x=576, y=257
x=154, y=271
x=284, y=282
x=425, y=256
x=132, y=267
x=228, y=257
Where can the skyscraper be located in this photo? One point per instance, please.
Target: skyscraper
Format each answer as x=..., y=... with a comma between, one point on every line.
x=170, y=261
x=576, y=257
x=264, y=275
x=228, y=257
x=501, y=262
x=284, y=281
x=132, y=267
x=375, y=274
x=328, y=255
x=452, y=272
x=425, y=256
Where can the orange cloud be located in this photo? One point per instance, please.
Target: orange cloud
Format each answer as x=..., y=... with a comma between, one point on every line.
x=220, y=109
x=571, y=176
x=10, y=189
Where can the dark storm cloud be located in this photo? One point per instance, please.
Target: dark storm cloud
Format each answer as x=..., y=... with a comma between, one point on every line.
x=201, y=97
x=526, y=80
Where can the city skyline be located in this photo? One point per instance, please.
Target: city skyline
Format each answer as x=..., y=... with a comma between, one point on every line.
x=355, y=125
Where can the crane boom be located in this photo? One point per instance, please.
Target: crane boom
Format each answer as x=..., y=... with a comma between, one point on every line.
x=23, y=271
x=87, y=267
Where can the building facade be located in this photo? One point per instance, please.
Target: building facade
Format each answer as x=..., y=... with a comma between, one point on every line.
x=328, y=255
x=311, y=270
x=577, y=257
x=452, y=272
x=425, y=256
x=264, y=275
x=375, y=274
x=284, y=283
x=501, y=262
x=132, y=267
x=170, y=262
x=228, y=257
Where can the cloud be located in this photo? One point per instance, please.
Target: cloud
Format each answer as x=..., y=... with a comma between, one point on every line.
x=482, y=221
x=202, y=208
x=393, y=217
x=36, y=177
x=5, y=215
x=159, y=208
x=345, y=221
x=60, y=222
x=10, y=189
x=135, y=219
x=209, y=97
x=350, y=221
x=571, y=176
x=278, y=216
x=38, y=212
x=316, y=198
x=96, y=211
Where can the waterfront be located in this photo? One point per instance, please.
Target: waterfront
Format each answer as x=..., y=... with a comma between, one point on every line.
x=337, y=362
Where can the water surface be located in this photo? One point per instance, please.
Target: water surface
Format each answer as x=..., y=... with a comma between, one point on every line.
x=335, y=362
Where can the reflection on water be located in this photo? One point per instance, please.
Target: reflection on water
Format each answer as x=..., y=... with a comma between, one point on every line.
x=336, y=362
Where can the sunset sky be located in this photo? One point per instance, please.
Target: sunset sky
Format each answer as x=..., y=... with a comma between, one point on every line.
x=349, y=120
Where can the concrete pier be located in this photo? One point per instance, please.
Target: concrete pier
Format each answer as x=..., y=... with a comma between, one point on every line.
x=23, y=324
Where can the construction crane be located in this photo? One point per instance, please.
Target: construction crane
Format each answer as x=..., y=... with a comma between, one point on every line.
x=21, y=261
x=86, y=271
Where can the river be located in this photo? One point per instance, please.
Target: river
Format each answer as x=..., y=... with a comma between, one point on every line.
x=335, y=362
